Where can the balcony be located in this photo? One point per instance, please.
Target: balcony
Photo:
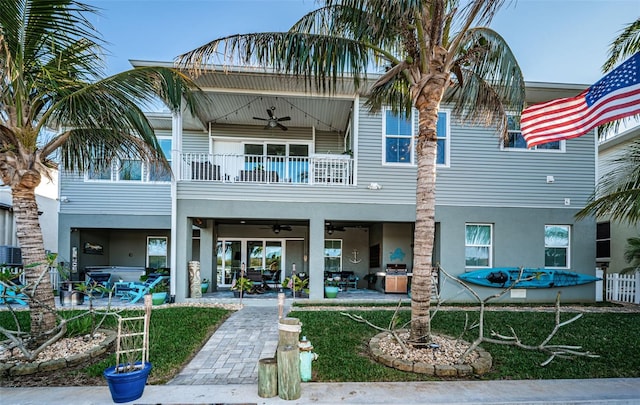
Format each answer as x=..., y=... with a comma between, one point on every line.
x=326, y=170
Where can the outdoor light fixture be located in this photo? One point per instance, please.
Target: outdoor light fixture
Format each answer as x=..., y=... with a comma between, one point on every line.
x=276, y=230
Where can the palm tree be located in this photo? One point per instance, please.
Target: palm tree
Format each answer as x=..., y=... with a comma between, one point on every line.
x=617, y=194
x=632, y=255
x=429, y=51
x=56, y=108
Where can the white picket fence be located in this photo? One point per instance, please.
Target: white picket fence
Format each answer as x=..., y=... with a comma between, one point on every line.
x=623, y=287
x=53, y=276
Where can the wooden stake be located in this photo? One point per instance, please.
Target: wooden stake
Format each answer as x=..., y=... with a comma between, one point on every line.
x=267, y=377
x=289, y=372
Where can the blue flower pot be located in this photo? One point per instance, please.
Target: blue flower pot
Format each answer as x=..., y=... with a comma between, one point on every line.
x=331, y=291
x=158, y=298
x=126, y=387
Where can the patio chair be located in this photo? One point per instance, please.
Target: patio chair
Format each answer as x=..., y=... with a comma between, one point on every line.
x=274, y=279
x=138, y=290
x=11, y=294
x=99, y=279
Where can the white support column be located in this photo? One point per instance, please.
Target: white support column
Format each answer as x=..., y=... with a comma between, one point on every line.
x=316, y=258
x=176, y=148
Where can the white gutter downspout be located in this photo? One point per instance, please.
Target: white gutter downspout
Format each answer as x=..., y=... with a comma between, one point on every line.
x=176, y=142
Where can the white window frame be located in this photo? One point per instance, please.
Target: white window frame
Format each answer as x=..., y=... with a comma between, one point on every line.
x=568, y=247
x=325, y=256
x=442, y=114
x=489, y=246
x=411, y=137
x=166, y=255
x=561, y=149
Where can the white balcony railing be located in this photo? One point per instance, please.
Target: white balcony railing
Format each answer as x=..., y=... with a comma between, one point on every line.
x=336, y=170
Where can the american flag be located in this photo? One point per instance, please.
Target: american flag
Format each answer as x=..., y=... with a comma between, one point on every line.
x=615, y=96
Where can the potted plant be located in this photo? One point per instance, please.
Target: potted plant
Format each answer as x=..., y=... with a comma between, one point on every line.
x=298, y=284
x=128, y=377
x=159, y=293
x=242, y=285
x=204, y=286
x=67, y=293
x=331, y=287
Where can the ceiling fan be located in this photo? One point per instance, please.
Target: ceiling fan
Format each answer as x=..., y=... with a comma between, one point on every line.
x=273, y=121
x=331, y=228
x=277, y=228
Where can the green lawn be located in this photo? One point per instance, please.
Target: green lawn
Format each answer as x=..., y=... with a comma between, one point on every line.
x=176, y=335
x=342, y=344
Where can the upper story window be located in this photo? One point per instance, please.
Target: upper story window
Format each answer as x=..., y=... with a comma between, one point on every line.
x=134, y=170
x=478, y=245
x=556, y=246
x=400, y=139
x=515, y=140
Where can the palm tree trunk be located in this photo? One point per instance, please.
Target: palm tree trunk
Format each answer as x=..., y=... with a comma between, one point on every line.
x=41, y=302
x=427, y=104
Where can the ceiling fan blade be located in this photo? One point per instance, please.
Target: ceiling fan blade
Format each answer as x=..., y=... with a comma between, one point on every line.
x=284, y=119
x=282, y=127
x=261, y=119
x=270, y=113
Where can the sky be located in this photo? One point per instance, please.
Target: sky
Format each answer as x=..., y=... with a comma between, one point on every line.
x=557, y=41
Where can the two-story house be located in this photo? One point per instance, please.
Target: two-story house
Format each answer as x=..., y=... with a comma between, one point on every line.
x=273, y=176
x=611, y=236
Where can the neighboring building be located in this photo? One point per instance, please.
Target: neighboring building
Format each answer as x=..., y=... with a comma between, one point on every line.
x=47, y=200
x=334, y=191
x=611, y=237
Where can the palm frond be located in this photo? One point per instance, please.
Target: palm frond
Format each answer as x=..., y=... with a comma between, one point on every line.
x=625, y=45
x=319, y=59
x=489, y=81
x=617, y=194
x=111, y=109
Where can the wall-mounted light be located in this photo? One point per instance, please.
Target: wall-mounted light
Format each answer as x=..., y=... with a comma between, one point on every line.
x=374, y=186
x=64, y=199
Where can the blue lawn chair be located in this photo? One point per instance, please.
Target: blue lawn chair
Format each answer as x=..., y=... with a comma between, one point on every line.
x=99, y=279
x=138, y=290
x=9, y=295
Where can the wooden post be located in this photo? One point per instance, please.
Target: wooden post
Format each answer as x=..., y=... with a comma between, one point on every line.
x=289, y=332
x=289, y=372
x=289, y=358
x=267, y=377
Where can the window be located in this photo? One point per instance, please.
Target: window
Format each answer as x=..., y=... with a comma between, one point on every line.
x=130, y=170
x=160, y=173
x=478, y=245
x=400, y=139
x=333, y=255
x=156, y=252
x=556, y=246
x=99, y=173
x=134, y=170
x=516, y=140
x=289, y=161
x=603, y=241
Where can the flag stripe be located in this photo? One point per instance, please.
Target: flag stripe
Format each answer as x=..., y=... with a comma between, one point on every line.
x=615, y=96
x=582, y=118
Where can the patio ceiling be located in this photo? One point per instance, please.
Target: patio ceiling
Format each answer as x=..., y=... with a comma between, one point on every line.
x=236, y=96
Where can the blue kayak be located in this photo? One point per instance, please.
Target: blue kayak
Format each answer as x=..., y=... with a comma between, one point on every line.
x=503, y=277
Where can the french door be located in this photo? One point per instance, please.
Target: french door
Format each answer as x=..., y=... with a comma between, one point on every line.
x=260, y=254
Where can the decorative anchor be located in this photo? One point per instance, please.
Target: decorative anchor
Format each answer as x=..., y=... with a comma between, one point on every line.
x=355, y=259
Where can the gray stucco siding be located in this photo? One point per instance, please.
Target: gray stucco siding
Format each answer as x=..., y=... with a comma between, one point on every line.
x=518, y=240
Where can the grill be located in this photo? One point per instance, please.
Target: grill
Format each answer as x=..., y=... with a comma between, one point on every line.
x=395, y=280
